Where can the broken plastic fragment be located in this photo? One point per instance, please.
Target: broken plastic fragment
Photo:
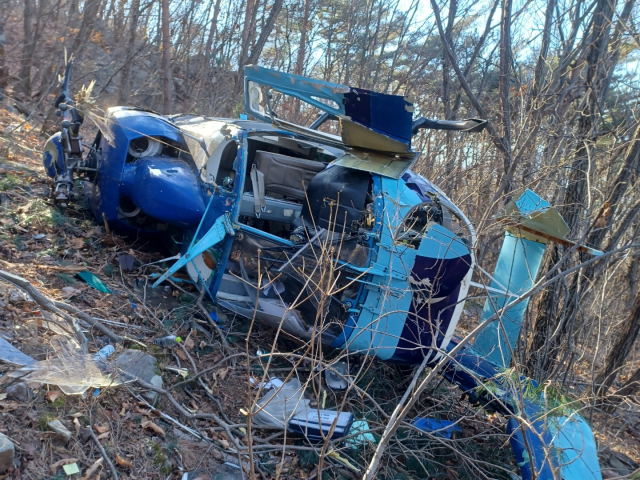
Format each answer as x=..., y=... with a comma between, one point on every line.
x=440, y=428
x=74, y=375
x=126, y=262
x=334, y=381
x=279, y=405
x=11, y=354
x=71, y=469
x=104, y=353
x=94, y=281
x=361, y=427
x=273, y=383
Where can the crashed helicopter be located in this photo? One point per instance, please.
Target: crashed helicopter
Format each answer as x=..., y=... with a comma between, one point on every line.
x=251, y=202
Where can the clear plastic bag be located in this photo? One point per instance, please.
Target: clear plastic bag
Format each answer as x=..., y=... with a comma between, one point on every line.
x=71, y=370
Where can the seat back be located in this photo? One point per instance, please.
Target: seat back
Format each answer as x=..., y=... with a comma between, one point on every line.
x=288, y=176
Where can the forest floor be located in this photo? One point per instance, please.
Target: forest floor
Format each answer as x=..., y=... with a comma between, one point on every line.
x=142, y=439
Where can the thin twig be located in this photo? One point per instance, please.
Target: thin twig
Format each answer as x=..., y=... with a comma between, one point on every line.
x=112, y=468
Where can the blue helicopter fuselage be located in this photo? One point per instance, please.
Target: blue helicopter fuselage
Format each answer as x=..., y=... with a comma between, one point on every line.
x=404, y=286
x=330, y=238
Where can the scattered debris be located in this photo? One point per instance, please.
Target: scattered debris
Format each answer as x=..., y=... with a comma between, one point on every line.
x=168, y=341
x=440, y=428
x=126, y=262
x=316, y=424
x=361, y=427
x=134, y=364
x=337, y=382
x=274, y=382
x=11, y=354
x=279, y=405
x=62, y=463
x=71, y=468
x=104, y=353
x=74, y=372
x=94, y=281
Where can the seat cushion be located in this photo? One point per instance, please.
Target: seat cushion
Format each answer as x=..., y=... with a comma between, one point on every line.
x=288, y=176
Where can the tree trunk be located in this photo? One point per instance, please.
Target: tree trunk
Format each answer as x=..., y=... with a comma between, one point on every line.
x=125, y=83
x=446, y=96
x=630, y=387
x=252, y=58
x=206, y=60
x=89, y=14
x=302, y=47
x=620, y=350
x=167, y=79
x=619, y=187
x=504, y=83
x=4, y=70
x=74, y=9
x=542, y=57
x=573, y=205
x=265, y=32
x=27, y=50
x=247, y=34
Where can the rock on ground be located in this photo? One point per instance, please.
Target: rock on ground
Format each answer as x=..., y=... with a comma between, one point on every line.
x=18, y=392
x=7, y=452
x=140, y=365
x=60, y=430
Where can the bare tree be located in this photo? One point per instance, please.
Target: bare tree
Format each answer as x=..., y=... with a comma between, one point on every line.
x=167, y=78
x=27, y=49
x=4, y=71
x=125, y=83
x=620, y=350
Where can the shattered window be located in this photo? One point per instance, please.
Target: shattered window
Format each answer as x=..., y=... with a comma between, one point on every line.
x=418, y=221
x=264, y=101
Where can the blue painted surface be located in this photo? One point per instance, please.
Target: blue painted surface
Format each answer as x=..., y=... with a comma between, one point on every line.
x=517, y=268
x=165, y=188
x=553, y=442
x=529, y=203
x=385, y=308
x=224, y=201
x=440, y=428
x=212, y=237
x=390, y=115
x=125, y=125
x=394, y=322
x=577, y=448
x=536, y=454
x=53, y=157
x=442, y=244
